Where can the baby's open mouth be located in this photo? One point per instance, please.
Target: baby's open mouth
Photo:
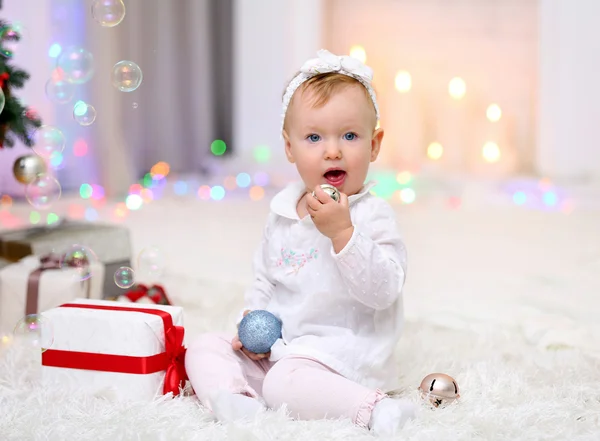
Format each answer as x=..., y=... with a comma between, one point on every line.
x=335, y=177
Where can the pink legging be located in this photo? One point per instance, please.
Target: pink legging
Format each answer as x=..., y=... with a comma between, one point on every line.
x=310, y=389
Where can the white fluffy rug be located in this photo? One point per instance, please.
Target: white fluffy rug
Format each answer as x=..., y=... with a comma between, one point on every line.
x=510, y=391
x=503, y=299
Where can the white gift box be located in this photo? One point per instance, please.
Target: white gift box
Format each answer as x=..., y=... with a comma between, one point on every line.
x=56, y=286
x=108, y=338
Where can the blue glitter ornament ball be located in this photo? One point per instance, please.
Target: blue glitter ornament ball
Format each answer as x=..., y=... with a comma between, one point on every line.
x=259, y=330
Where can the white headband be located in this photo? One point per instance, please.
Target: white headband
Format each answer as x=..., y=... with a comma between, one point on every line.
x=328, y=62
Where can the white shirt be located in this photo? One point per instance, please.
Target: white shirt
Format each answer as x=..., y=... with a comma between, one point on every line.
x=345, y=309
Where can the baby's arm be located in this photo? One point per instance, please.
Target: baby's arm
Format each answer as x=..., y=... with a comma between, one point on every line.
x=373, y=262
x=257, y=296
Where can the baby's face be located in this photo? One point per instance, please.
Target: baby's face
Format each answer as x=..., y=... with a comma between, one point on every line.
x=335, y=143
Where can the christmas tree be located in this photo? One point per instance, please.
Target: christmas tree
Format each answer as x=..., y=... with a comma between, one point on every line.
x=15, y=119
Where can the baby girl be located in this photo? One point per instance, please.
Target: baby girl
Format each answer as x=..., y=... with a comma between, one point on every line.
x=331, y=271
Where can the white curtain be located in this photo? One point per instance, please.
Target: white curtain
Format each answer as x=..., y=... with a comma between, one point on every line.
x=169, y=118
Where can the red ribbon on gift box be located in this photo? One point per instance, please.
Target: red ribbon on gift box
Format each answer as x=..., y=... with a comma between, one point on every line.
x=172, y=360
x=156, y=293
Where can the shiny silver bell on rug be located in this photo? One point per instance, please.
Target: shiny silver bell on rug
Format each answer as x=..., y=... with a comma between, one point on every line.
x=439, y=389
x=331, y=191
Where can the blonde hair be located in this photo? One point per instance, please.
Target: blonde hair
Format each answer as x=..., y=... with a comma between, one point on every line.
x=324, y=85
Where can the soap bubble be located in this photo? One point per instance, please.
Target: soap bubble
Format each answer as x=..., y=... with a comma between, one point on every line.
x=35, y=330
x=124, y=277
x=77, y=65
x=48, y=140
x=9, y=38
x=134, y=105
x=108, y=13
x=151, y=261
x=42, y=192
x=80, y=258
x=84, y=113
x=126, y=76
x=2, y=100
x=59, y=91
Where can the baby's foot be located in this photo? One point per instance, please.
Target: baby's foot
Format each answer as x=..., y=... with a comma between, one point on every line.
x=389, y=415
x=229, y=407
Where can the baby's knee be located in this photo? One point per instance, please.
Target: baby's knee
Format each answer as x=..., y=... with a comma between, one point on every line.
x=276, y=387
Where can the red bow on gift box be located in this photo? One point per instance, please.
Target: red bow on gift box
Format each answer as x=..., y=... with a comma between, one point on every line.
x=156, y=293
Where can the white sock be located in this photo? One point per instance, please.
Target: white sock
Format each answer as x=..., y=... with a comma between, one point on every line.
x=390, y=414
x=230, y=407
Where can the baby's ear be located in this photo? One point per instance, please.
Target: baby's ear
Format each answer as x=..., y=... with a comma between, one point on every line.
x=376, y=143
x=288, y=147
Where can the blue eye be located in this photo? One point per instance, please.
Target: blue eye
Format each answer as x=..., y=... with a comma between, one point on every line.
x=350, y=136
x=313, y=138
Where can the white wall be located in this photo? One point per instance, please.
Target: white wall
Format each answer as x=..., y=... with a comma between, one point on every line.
x=31, y=56
x=569, y=121
x=272, y=40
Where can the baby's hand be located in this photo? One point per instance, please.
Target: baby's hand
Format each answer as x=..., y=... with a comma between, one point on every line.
x=236, y=345
x=331, y=218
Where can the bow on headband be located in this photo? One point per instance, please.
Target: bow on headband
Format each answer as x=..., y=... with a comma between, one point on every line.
x=328, y=62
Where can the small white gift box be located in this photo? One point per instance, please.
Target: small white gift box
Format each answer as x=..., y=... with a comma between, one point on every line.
x=35, y=284
x=134, y=351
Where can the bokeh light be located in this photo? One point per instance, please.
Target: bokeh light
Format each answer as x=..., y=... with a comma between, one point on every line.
x=80, y=147
x=457, y=88
x=435, y=151
x=403, y=81
x=218, y=147
x=262, y=154
x=230, y=183
x=491, y=152
x=519, y=198
x=160, y=170
x=52, y=218
x=134, y=202
x=243, y=180
x=91, y=214
x=359, y=53
x=217, y=193
x=85, y=191
x=550, y=198
x=407, y=195
x=404, y=177
x=256, y=193
x=34, y=218
x=493, y=113
x=204, y=192
x=261, y=179
x=180, y=188
x=54, y=50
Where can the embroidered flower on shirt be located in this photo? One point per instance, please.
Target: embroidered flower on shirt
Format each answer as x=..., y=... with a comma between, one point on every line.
x=294, y=261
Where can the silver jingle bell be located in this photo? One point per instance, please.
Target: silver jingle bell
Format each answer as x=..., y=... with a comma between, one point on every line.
x=331, y=191
x=439, y=389
x=28, y=168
